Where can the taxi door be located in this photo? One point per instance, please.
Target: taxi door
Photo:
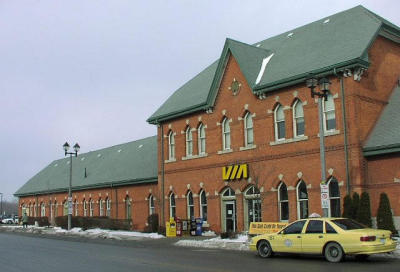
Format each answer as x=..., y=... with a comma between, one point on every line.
x=289, y=239
x=313, y=238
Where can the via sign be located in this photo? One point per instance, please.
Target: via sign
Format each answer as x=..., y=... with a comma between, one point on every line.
x=237, y=171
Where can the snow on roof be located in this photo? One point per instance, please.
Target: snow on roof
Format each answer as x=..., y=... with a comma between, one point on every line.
x=263, y=66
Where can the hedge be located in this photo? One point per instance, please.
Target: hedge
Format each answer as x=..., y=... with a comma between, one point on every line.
x=94, y=222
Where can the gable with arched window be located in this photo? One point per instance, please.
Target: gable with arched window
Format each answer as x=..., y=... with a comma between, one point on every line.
x=279, y=123
x=283, y=201
x=201, y=139
x=302, y=200
x=248, y=130
x=334, y=198
x=298, y=118
x=171, y=145
x=189, y=142
x=226, y=134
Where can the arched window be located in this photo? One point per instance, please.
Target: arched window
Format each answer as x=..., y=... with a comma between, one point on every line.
x=65, y=211
x=43, y=210
x=190, y=205
x=55, y=209
x=298, y=118
x=171, y=146
x=202, y=139
x=334, y=198
x=253, y=203
x=226, y=134
x=84, y=207
x=76, y=208
x=283, y=202
x=128, y=213
x=189, y=142
x=101, y=207
x=228, y=192
x=203, y=205
x=172, y=206
x=91, y=207
x=248, y=130
x=279, y=118
x=35, y=210
x=151, y=205
x=329, y=114
x=302, y=200
x=108, y=206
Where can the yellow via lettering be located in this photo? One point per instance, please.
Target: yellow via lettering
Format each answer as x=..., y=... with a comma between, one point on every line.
x=226, y=172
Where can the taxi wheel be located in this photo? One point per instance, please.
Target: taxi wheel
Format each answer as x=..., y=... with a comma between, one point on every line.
x=333, y=253
x=264, y=249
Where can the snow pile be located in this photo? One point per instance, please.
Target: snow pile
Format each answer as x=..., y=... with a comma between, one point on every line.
x=239, y=243
x=208, y=233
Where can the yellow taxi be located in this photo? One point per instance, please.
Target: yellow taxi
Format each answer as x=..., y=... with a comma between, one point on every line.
x=331, y=237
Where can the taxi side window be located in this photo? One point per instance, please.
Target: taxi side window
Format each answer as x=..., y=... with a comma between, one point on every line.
x=329, y=228
x=315, y=226
x=294, y=228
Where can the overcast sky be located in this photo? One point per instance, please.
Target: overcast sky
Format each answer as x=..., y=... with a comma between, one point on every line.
x=93, y=71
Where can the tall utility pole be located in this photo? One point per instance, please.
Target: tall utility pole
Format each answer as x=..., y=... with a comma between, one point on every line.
x=76, y=149
x=1, y=205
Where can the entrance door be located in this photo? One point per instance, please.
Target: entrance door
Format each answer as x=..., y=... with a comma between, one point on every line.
x=230, y=216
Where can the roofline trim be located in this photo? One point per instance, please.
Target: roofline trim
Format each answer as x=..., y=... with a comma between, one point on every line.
x=381, y=150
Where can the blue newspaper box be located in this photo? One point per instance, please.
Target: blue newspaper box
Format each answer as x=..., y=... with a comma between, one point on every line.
x=199, y=226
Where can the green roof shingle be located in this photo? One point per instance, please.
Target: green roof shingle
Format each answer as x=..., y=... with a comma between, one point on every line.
x=130, y=163
x=337, y=41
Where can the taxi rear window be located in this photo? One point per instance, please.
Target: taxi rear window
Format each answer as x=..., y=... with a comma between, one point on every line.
x=347, y=224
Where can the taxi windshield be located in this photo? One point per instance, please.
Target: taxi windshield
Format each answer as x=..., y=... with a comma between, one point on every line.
x=348, y=224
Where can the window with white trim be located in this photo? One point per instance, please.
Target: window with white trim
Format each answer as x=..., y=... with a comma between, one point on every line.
x=91, y=207
x=76, y=208
x=253, y=203
x=128, y=211
x=334, y=198
x=302, y=200
x=108, y=206
x=84, y=208
x=329, y=113
x=151, y=205
x=189, y=142
x=101, y=207
x=190, y=205
x=203, y=205
x=226, y=134
x=279, y=119
x=298, y=118
x=201, y=139
x=43, y=210
x=65, y=211
x=171, y=146
x=248, y=130
x=172, y=206
x=283, y=202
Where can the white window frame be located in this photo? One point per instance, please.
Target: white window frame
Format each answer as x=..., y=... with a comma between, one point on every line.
x=325, y=112
x=43, y=210
x=84, y=207
x=301, y=200
x=171, y=145
x=226, y=134
x=151, y=205
x=201, y=137
x=189, y=142
x=295, y=117
x=128, y=208
x=329, y=194
x=172, y=208
x=91, y=208
x=276, y=121
x=248, y=129
x=108, y=207
x=280, y=201
x=188, y=205
x=76, y=208
x=202, y=205
x=101, y=207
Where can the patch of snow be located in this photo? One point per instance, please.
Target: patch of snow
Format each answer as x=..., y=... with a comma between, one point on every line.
x=208, y=233
x=290, y=35
x=239, y=243
x=326, y=21
x=258, y=45
x=263, y=66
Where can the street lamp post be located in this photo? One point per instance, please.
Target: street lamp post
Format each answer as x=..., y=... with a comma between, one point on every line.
x=1, y=206
x=324, y=85
x=76, y=149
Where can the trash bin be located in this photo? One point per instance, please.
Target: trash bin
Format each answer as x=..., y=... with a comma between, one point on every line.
x=193, y=227
x=178, y=227
x=199, y=226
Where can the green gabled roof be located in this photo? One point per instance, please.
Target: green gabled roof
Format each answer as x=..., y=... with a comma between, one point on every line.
x=338, y=41
x=130, y=163
x=385, y=137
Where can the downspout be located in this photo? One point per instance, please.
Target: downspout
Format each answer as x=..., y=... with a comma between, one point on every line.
x=344, y=118
x=162, y=177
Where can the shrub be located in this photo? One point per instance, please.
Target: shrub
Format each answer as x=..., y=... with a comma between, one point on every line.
x=364, y=211
x=355, y=205
x=347, y=207
x=94, y=222
x=42, y=221
x=162, y=230
x=384, y=219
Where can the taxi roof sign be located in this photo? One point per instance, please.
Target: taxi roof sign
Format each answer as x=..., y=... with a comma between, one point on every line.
x=314, y=215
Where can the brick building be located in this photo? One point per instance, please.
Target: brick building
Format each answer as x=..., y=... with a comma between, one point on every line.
x=239, y=142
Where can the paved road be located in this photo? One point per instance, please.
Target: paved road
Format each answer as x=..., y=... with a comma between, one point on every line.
x=32, y=253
